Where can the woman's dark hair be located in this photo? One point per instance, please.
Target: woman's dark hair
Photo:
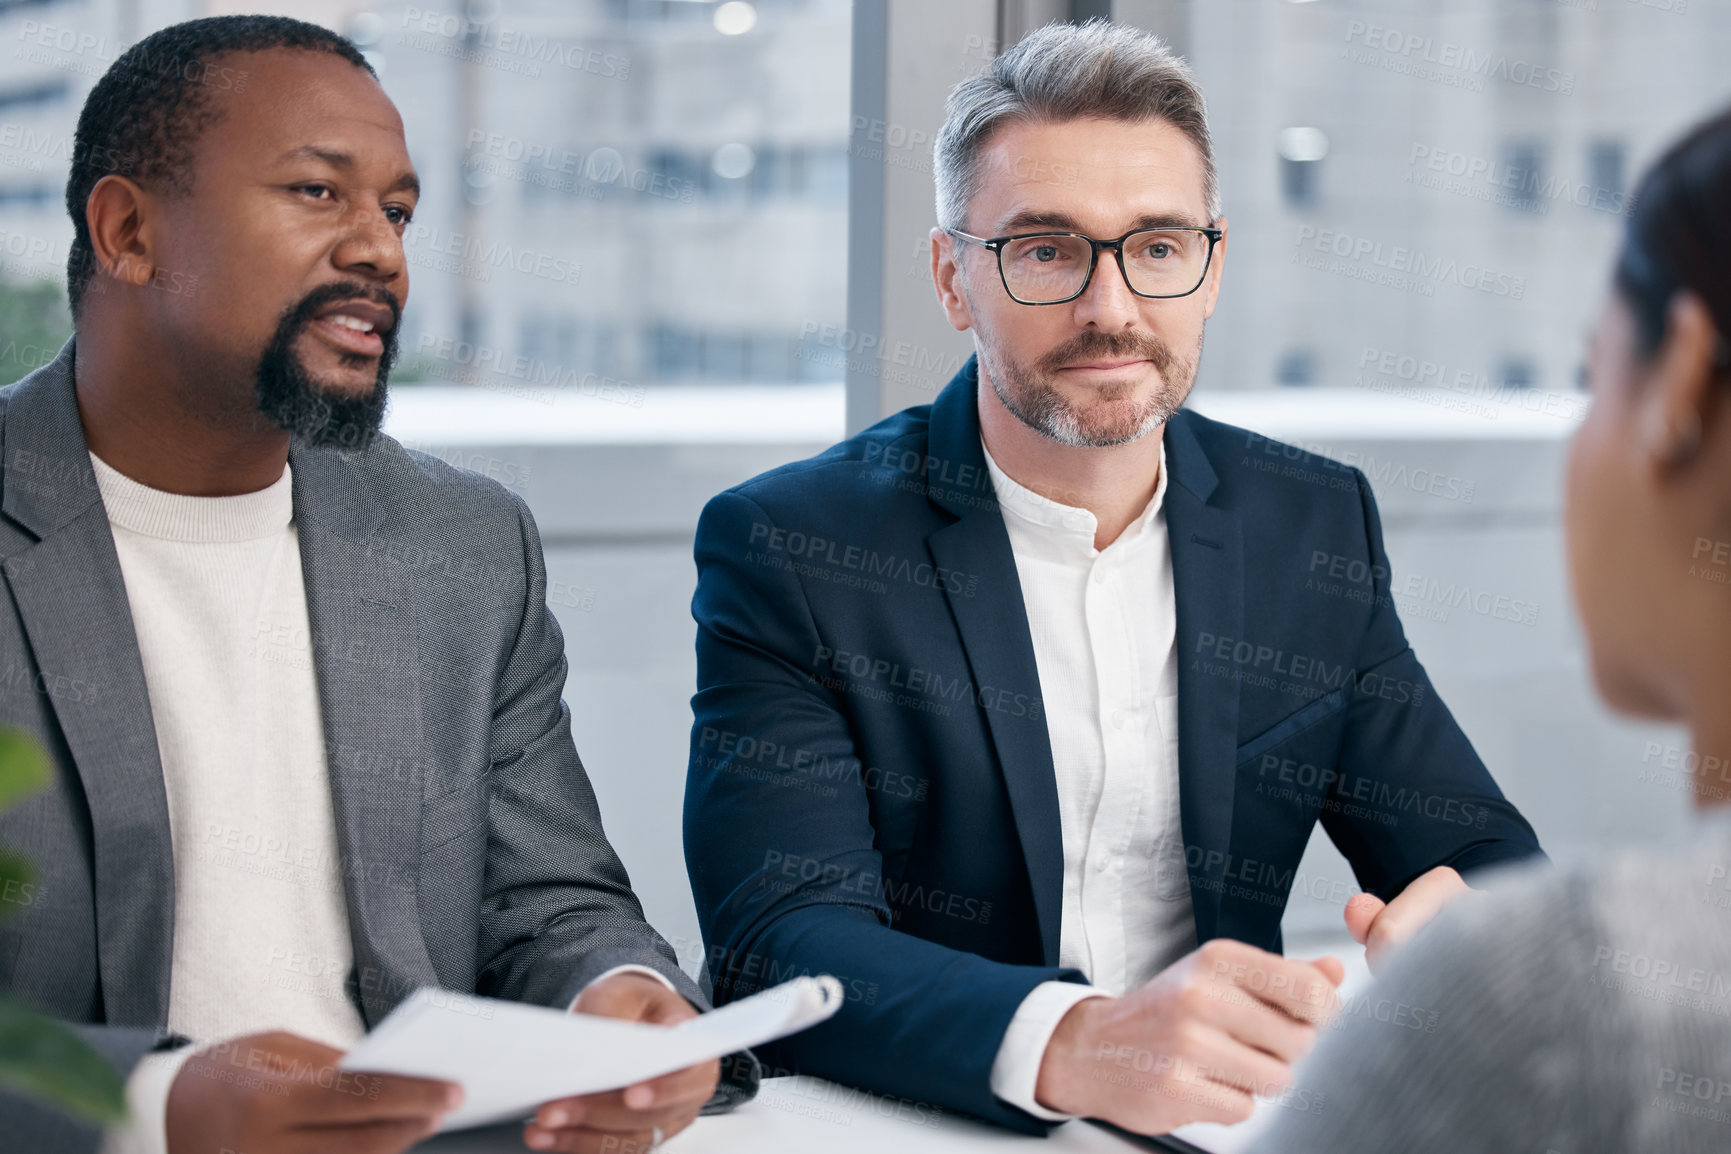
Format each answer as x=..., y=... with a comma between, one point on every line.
x=1679, y=235
x=143, y=118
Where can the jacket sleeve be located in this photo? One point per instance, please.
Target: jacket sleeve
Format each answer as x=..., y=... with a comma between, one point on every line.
x=784, y=865
x=1411, y=792
x=557, y=908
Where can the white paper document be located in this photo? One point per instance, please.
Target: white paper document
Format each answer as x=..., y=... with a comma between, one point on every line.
x=509, y=1057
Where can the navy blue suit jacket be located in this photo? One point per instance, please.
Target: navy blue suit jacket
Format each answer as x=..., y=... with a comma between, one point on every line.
x=871, y=791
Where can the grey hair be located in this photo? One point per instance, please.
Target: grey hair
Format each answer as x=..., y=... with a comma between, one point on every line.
x=1068, y=72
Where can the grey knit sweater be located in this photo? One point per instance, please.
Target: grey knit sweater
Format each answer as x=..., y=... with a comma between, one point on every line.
x=1570, y=1012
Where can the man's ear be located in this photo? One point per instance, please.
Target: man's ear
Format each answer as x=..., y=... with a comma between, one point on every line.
x=117, y=213
x=1679, y=408
x=1216, y=269
x=946, y=279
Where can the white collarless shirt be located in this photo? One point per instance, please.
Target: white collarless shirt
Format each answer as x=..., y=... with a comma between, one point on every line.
x=1104, y=626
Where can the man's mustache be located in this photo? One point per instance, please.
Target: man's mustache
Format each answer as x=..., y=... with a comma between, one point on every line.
x=1091, y=345
x=304, y=310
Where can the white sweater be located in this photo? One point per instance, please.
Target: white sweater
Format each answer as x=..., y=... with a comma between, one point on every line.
x=261, y=936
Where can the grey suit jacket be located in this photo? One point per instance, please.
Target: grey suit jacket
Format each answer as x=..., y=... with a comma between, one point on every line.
x=471, y=846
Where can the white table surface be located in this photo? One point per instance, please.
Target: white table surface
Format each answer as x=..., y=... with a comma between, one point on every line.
x=811, y=1116
x=808, y=1115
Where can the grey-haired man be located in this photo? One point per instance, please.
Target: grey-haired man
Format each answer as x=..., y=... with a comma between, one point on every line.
x=1046, y=646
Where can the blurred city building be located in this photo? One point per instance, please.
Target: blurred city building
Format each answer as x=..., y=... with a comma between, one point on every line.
x=616, y=193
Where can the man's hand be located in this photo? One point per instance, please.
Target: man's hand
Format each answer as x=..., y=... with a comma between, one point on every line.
x=1219, y=1026
x=279, y=1093
x=1383, y=927
x=625, y=1121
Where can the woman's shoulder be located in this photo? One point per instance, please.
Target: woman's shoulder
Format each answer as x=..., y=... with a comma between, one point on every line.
x=1664, y=922
x=1657, y=918
x=1577, y=1008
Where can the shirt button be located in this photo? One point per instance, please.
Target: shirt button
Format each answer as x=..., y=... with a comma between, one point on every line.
x=1099, y=576
x=1118, y=719
x=1103, y=863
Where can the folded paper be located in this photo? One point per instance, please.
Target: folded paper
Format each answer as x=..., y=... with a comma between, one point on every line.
x=510, y=1057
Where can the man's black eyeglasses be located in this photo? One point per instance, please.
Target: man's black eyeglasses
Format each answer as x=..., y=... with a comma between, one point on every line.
x=1050, y=268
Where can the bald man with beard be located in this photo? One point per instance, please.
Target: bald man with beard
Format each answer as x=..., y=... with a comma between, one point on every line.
x=301, y=686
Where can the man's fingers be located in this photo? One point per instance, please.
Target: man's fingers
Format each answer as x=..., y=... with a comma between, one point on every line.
x=1214, y=1102
x=621, y=1119
x=1217, y=1076
x=562, y=1112
x=1440, y=885
x=692, y=1083
x=683, y=1091
x=1205, y=1100
x=1332, y=968
x=1296, y=988
x=1211, y=1083
x=1266, y=1029
x=340, y=1097
x=1361, y=912
x=667, y=1008
x=1220, y=1057
x=612, y=1000
x=1409, y=912
x=635, y=998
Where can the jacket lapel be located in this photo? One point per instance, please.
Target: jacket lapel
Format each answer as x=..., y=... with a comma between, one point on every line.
x=72, y=598
x=1208, y=579
x=360, y=608
x=993, y=623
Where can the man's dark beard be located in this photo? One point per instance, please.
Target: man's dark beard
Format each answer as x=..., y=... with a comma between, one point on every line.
x=293, y=400
x=1036, y=402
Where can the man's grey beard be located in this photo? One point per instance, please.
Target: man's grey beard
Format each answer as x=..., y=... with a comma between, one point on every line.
x=1032, y=398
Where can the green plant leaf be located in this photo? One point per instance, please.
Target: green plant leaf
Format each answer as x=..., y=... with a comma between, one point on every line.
x=15, y=876
x=23, y=766
x=43, y=1058
x=15, y=871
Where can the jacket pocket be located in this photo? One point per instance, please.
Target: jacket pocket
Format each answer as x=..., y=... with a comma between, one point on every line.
x=450, y=815
x=1291, y=725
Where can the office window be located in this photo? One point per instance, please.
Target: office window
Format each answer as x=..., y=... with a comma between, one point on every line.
x=722, y=356
x=621, y=162
x=636, y=180
x=1517, y=372
x=20, y=98
x=1302, y=150
x=683, y=354
x=1296, y=367
x=1524, y=175
x=38, y=196
x=1605, y=175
